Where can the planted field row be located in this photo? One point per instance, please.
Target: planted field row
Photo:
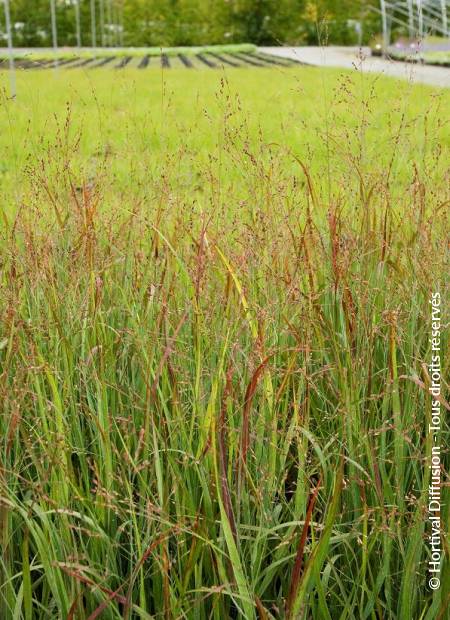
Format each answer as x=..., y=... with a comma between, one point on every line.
x=209, y=60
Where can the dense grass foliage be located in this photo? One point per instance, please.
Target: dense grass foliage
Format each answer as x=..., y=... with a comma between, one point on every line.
x=214, y=335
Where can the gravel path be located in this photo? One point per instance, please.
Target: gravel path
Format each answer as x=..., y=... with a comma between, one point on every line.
x=348, y=57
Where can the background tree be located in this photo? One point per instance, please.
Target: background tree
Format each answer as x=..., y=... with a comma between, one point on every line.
x=195, y=22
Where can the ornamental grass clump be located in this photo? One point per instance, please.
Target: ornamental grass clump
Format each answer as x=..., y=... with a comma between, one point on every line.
x=213, y=355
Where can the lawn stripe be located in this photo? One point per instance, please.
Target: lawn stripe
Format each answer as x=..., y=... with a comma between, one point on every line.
x=206, y=61
x=225, y=60
x=250, y=59
x=82, y=63
x=47, y=63
x=103, y=62
x=67, y=61
x=123, y=63
x=271, y=60
x=44, y=64
x=22, y=64
x=186, y=61
x=144, y=62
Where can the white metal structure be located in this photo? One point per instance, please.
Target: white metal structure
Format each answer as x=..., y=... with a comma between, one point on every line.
x=93, y=26
x=10, y=48
x=111, y=27
x=419, y=17
x=102, y=23
x=54, y=31
x=77, y=22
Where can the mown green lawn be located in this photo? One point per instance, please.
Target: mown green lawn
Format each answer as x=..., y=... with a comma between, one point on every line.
x=214, y=338
x=132, y=119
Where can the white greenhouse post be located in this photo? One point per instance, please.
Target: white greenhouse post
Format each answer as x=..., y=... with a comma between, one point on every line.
x=109, y=18
x=116, y=24
x=77, y=20
x=54, y=31
x=102, y=22
x=93, y=28
x=444, y=17
x=113, y=24
x=411, y=19
x=420, y=14
x=121, y=22
x=384, y=24
x=12, y=71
